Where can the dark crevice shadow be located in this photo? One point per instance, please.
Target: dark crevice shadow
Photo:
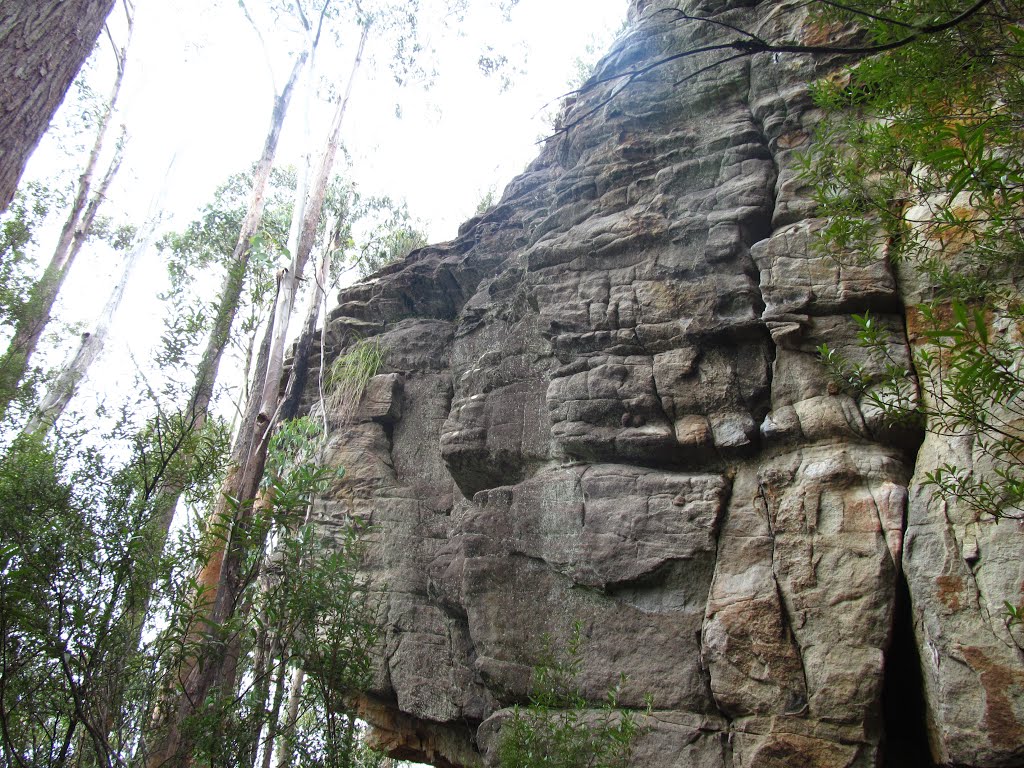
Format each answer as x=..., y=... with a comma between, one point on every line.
x=905, y=741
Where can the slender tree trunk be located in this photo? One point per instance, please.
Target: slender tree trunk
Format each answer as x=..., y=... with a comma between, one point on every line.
x=299, y=373
x=30, y=327
x=52, y=406
x=164, y=740
x=223, y=573
x=198, y=407
x=43, y=44
x=286, y=741
x=290, y=404
x=249, y=455
x=307, y=238
x=267, y=648
x=251, y=446
x=234, y=281
x=169, y=744
x=275, y=714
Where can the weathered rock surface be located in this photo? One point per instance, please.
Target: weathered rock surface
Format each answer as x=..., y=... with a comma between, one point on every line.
x=602, y=403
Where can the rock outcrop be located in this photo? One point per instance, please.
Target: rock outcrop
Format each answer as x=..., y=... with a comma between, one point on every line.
x=603, y=403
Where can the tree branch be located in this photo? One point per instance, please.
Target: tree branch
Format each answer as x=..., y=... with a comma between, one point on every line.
x=683, y=16
x=320, y=23
x=752, y=45
x=865, y=14
x=263, y=43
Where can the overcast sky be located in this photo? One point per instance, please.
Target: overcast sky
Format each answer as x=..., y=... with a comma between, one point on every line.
x=198, y=86
x=198, y=90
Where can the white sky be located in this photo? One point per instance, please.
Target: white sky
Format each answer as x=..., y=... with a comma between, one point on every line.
x=198, y=89
x=209, y=99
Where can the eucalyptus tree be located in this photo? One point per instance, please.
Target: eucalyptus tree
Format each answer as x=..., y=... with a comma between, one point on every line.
x=43, y=44
x=36, y=312
x=64, y=385
x=229, y=570
x=200, y=255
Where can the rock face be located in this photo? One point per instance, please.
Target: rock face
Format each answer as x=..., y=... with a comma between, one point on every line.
x=602, y=403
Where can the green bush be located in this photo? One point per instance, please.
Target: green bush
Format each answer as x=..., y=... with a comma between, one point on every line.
x=560, y=728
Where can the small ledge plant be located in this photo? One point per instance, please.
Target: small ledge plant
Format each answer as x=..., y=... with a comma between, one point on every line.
x=559, y=728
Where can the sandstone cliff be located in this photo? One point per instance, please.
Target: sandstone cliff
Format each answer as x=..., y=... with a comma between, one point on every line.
x=602, y=403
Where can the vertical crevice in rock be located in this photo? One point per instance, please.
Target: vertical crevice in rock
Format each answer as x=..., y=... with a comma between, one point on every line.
x=389, y=435
x=622, y=418
x=905, y=739
x=796, y=706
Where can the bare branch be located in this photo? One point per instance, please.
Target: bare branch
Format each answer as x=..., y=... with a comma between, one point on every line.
x=113, y=45
x=682, y=16
x=302, y=14
x=634, y=75
x=320, y=22
x=753, y=45
x=865, y=14
x=263, y=43
x=702, y=70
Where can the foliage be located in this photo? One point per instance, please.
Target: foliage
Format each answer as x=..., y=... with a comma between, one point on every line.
x=391, y=238
x=391, y=247
x=585, y=65
x=921, y=160
x=308, y=634
x=931, y=152
x=338, y=631
x=78, y=552
x=1014, y=615
x=555, y=729
x=487, y=201
x=351, y=372
x=18, y=227
x=931, y=174
x=368, y=232
x=201, y=253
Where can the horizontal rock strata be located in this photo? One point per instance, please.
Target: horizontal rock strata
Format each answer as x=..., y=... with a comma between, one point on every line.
x=602, y=404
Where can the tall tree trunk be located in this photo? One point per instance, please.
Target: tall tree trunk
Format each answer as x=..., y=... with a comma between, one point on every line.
x=307, y=238
x=275, y=714
x=299, y=372
x=267, y=648
x=36, y=315
x=234, y=281
x=43, y=44
x=167, y=743
x=198, y=407
x=52, y=406
x=195, y=676
x=223, y=573
x=286, y=741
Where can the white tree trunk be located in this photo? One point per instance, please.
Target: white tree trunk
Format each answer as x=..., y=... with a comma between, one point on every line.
x=52, y=406
x=285, y=740
x=304, y=245
x=29, y=329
